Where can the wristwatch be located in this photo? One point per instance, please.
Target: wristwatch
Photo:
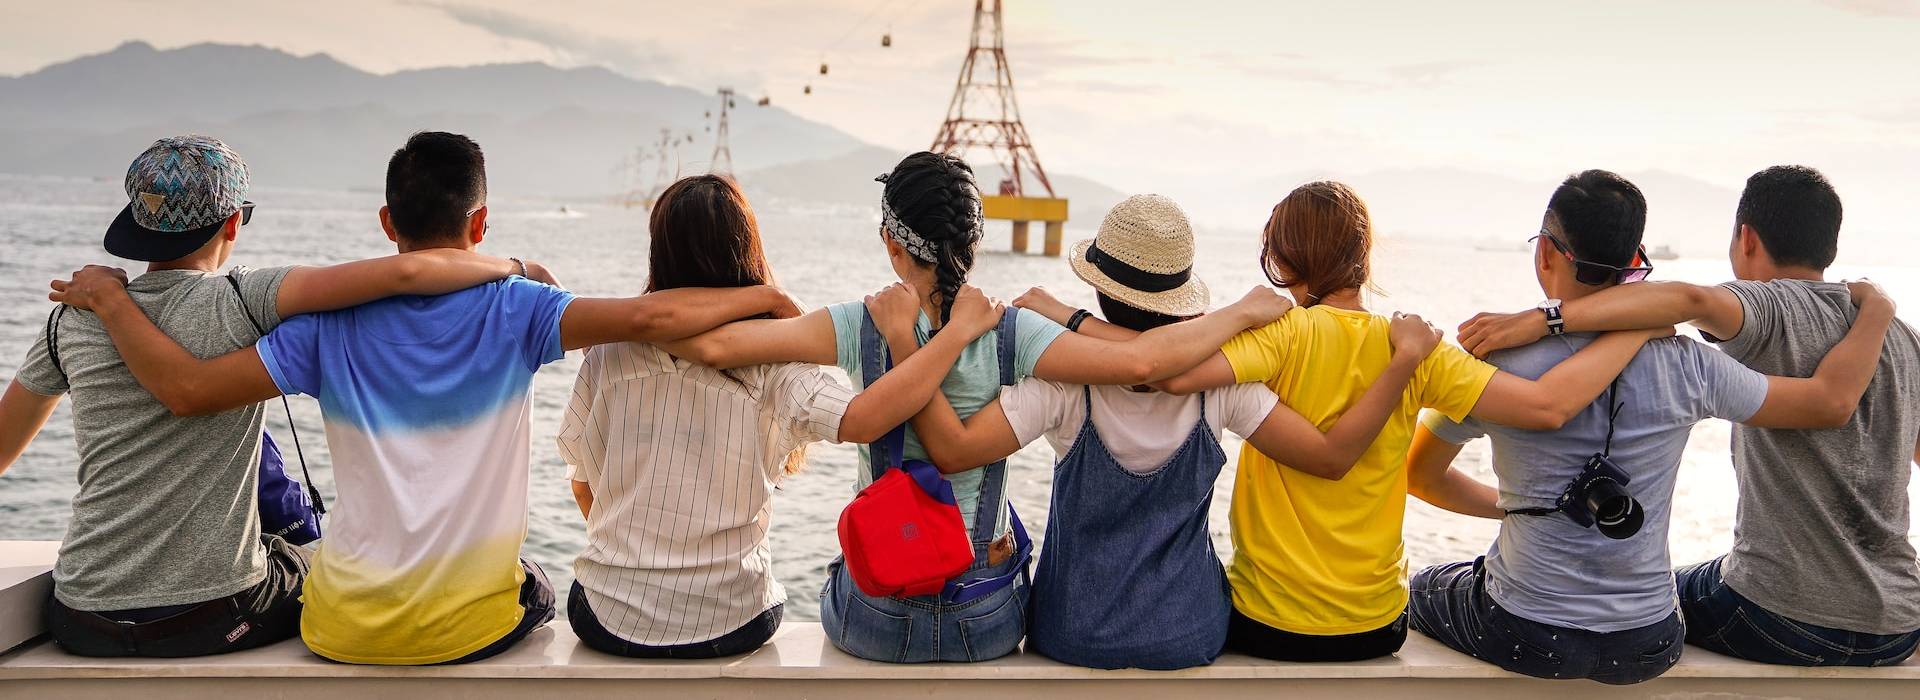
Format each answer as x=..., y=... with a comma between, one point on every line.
x=1556, y=325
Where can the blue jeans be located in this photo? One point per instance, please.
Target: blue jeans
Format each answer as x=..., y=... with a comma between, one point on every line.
x=1721, y=620
x=1450, y=604
x=921, y=629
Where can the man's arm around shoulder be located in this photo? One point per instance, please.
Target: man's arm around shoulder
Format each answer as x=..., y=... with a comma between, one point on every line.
x=186, y=385
x=1714, y=310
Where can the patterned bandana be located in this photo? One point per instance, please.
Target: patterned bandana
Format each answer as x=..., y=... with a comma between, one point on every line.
x=920, y=248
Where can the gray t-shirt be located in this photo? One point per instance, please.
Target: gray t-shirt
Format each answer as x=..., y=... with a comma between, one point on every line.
x=1548, y=569
x=167, y=512
x=1821, y=533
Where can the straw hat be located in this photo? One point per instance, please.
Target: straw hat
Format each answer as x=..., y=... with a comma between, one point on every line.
x=1143, y=257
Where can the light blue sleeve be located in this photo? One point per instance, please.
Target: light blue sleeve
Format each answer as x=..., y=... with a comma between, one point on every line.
x=541, y=307
x=1033, y=334
x=1726, y=388
x=846, y=337
x=291, y=354
x=1450, y=431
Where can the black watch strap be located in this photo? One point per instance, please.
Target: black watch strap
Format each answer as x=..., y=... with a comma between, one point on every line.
x=1079, y=316
x=1556, y=324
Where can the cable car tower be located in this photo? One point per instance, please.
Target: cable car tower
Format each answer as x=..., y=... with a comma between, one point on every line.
x=984, y=113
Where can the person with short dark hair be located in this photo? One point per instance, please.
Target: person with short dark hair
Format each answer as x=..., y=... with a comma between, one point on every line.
x=191, y=573
x=1821, y=572
x=1578, y=585
x=427, y=402
x=1128, y=577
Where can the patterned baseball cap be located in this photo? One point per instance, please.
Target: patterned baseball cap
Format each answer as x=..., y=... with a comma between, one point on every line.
x=179, y=192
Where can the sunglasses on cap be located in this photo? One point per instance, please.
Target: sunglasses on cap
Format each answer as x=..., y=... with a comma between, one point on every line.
x=1595, y=274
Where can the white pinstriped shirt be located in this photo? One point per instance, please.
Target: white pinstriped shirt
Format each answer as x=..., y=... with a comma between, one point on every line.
x=682, y=461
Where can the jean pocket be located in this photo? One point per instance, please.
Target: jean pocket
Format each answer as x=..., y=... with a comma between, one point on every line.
x=870, y=633
x=1785, y=653
x=997, y=632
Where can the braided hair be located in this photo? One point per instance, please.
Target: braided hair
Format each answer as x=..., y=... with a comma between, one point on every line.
x=936, y=196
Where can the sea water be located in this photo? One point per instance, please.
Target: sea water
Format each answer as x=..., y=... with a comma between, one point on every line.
x=50, y=226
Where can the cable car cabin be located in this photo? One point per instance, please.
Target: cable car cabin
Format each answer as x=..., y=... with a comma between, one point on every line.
x=807, y=90
x=1024, y=210
x=886, y=40
x=823, y=67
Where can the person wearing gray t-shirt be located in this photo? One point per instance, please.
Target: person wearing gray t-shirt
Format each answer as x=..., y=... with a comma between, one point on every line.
x=1573, y=590
x=1822, y=571
x=163, y=555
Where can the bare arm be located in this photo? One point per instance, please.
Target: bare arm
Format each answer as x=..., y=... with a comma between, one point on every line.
x=1214, y=373
x=22, y=414
x=1643, y=305
x=424, y=272
x=956, y=446
x=1547, y=404
x=1829, y=398
x=666, y=315
x=1041, y=301
x=186, y=385
x=905, y=390
x=1160, y=353
x=1432, y=478
x=809, y=339
x=1289, y=439
x=582, y=496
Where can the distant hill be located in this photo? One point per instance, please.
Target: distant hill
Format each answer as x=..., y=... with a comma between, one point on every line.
x=313, y=121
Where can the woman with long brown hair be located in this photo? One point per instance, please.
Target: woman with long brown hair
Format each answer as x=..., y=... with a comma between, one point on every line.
x=1319, y=570
x=674, y=464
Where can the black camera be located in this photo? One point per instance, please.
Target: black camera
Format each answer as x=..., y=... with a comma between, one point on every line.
x=1598, y=498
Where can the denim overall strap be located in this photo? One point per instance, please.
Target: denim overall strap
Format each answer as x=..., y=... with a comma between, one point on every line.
x=993, y=481
x=1148, y=530
x=875, y=360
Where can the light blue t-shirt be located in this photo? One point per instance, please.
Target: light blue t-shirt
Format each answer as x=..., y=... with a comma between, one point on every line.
x=1549, y=569
x=428, y=407
x=973, y=382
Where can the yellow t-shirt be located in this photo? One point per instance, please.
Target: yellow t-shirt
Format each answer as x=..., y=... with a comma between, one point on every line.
x=1320, y=557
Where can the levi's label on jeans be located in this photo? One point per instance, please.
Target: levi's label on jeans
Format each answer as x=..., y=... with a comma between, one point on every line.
x=427, y=403
x=1320, y=557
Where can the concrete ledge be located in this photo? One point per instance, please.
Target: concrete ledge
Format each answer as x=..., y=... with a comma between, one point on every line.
x=26, y=579
x=800, y=663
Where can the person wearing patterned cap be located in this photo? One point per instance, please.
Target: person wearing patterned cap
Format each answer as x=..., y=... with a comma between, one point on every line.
x=164, y=555
x=1128, y=576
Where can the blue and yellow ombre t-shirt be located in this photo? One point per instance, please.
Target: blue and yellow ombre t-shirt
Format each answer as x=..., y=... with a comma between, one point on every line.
x=426, y=401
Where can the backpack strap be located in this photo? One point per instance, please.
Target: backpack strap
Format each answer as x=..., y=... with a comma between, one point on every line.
x=53, y=337
x=319, y=504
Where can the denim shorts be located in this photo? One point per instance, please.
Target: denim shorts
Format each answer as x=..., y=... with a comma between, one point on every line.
x=922, y=629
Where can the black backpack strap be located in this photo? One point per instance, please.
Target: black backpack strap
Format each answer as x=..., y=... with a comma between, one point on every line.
x=53, y=337
x=319, y=505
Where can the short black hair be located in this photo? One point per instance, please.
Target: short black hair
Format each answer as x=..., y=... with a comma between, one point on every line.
x=1127, y=316
x=1796, y=213
x=432, y=182
x=1603, y=216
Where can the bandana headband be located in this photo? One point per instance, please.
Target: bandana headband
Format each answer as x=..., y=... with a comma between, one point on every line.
x=920, y=248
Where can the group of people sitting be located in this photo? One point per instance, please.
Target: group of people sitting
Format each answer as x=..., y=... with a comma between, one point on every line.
x=700, y=394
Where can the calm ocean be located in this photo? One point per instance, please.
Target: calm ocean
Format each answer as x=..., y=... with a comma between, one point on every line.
x=51, y=226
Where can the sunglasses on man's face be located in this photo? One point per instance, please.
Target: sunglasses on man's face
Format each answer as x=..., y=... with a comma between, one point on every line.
x=1594, y=274
x=246, y=213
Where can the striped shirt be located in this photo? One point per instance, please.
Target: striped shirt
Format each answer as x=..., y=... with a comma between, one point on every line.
x=682, y=461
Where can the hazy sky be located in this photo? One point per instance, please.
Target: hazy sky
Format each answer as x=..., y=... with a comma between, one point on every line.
x=1138, y=93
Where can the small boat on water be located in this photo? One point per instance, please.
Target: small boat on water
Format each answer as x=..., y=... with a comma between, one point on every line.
x=1664, y=252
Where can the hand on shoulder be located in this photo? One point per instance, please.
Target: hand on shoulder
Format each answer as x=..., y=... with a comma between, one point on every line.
x=88, y=285
x=1487, y=333
x=974, y=313
x=1413, y=336
x=1261, y=306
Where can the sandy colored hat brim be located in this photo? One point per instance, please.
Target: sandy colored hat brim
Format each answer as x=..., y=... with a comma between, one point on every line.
x=1190, y=299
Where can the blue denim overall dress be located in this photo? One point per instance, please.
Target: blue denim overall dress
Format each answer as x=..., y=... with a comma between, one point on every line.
x=1128, y=577
x=982, y=615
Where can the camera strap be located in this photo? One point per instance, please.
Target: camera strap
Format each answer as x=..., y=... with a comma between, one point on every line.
x=1606, y=450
